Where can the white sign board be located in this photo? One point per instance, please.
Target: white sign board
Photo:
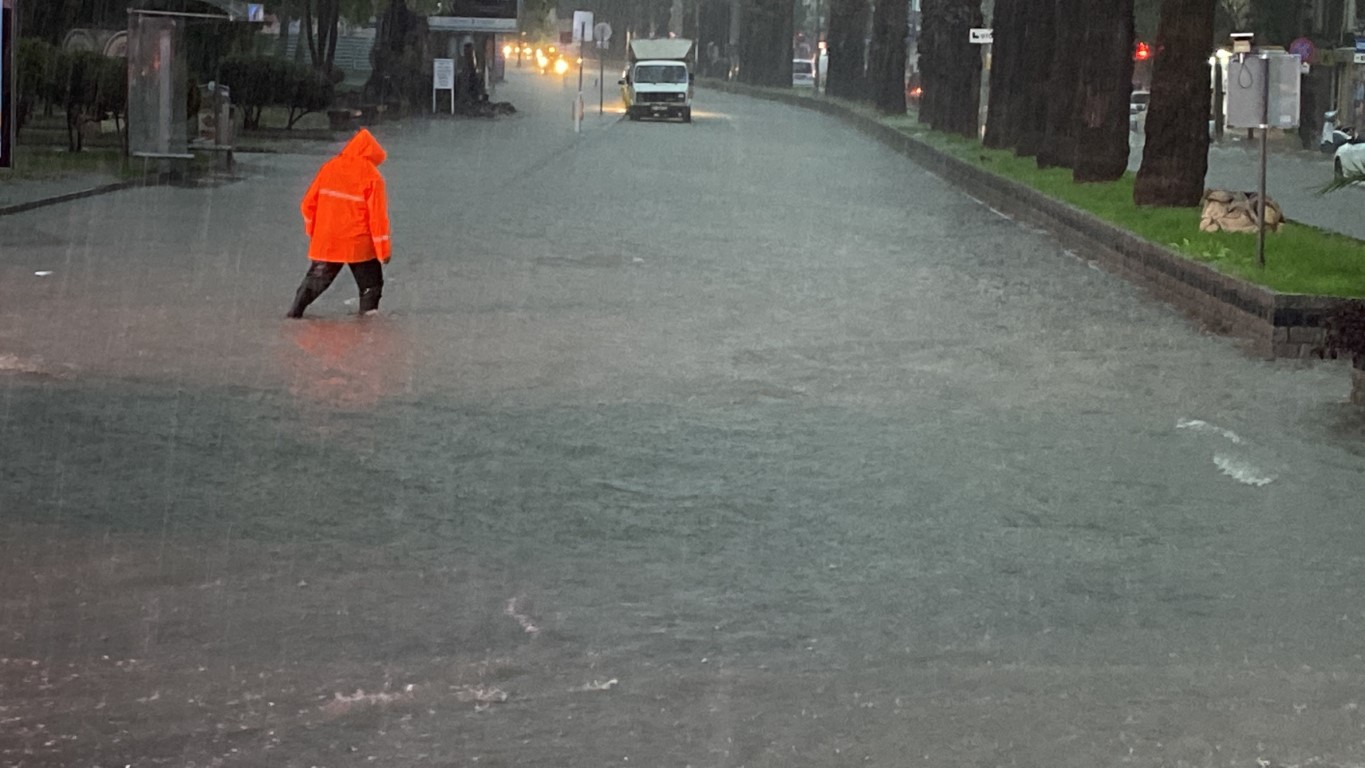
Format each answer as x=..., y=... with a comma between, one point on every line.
x=470, y=24
x=981, y=36
x=601, y=32
x=1359, y=58
x=443, y=79
x=444, y=73
x=582, y=26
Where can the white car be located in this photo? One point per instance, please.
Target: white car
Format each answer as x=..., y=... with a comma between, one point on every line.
x=803, y=73
x=1349, y=159
x=1137, y=111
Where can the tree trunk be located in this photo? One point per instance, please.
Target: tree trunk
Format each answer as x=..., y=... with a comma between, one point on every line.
x=765, y=43
x=1176, y=156
x=847, y=20
x=1002, y=125
x=282, y=43
x=307, y=24
x=1030, y=109
x=1058, y=148
x=1104, y=91
x=950, y=66
x=886, y=73
x=333, y=31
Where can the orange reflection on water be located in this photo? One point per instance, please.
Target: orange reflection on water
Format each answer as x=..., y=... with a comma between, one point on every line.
x=348, y=363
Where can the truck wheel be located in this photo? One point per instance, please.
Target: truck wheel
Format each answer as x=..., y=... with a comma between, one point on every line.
x=687, y=114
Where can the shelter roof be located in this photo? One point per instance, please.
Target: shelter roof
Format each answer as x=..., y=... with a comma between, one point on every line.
x=235, y=10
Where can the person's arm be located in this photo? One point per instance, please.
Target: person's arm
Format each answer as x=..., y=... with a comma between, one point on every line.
x=309, y=206
x=377, y=204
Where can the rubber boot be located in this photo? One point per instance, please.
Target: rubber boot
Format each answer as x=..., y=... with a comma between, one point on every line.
x=369, y=299
x=302, y=298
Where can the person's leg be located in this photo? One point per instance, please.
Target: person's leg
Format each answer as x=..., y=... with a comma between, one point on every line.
x=320, y=275
x=369, y=278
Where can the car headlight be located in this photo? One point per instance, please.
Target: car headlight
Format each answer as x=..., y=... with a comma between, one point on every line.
x=561, y=67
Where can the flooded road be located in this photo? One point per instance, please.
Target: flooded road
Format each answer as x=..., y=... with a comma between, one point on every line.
x=743, y=443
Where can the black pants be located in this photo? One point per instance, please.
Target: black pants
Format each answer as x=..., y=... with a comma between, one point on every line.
x=369, y=278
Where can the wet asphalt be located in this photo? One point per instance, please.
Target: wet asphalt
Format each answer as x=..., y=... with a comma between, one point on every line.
x=739, y=443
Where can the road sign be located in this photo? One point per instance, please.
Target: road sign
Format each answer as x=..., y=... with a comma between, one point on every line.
x=1254, y=79
x=982, y=36
x=601, y=32
x=582, y=26
x=1304, y=49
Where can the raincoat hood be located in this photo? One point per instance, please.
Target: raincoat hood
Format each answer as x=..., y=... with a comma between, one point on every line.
x=365, y=146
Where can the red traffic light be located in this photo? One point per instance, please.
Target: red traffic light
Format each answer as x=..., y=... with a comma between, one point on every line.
x=1142, y=52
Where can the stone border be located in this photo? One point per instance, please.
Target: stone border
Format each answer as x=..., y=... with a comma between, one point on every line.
x=1278, y=325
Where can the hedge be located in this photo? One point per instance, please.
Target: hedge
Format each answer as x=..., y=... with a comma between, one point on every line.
x=257, y=82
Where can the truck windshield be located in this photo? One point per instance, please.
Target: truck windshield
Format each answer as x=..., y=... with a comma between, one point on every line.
x=660, y=73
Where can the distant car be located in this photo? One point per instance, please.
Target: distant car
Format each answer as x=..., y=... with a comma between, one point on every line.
x=1349, y=159
x=803, y=73
x=1137, y=110
x=549, y=59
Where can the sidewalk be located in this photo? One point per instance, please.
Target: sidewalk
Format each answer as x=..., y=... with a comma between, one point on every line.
x=1293, y=177
x=18, y=194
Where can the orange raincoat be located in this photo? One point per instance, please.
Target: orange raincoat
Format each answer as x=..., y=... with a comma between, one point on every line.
x=346, y=211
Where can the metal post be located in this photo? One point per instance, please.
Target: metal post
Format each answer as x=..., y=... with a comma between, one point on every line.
x=1265, y=147
x=166, y=53
x=601, y=79
x=819, y=30
x=578, y=107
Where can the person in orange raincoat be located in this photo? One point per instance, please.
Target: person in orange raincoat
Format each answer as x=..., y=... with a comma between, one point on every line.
x=346, y=213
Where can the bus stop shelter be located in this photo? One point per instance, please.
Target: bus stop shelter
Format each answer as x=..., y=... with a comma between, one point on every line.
x=158, y=76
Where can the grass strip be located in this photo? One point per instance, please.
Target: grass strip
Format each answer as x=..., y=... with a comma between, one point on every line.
x=1299, y=258
x=42, y=162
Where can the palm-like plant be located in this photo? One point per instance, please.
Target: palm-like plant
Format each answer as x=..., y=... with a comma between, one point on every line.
x=1342, y=179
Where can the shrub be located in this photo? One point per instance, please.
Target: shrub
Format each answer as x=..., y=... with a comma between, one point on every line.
x=93, y=87
x=1346, y=335
x=312, y=92
x=37, y=78
x=258, y=82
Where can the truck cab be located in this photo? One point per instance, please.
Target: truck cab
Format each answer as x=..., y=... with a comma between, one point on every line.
x=658, y=81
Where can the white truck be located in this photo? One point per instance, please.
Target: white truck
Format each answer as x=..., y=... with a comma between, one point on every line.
x=657, y=81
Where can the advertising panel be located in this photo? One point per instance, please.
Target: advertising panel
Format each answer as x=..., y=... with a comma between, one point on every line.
x=7, y=83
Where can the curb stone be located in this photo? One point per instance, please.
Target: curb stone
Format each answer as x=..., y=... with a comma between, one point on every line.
x=6, y=210
x=1277, y=325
